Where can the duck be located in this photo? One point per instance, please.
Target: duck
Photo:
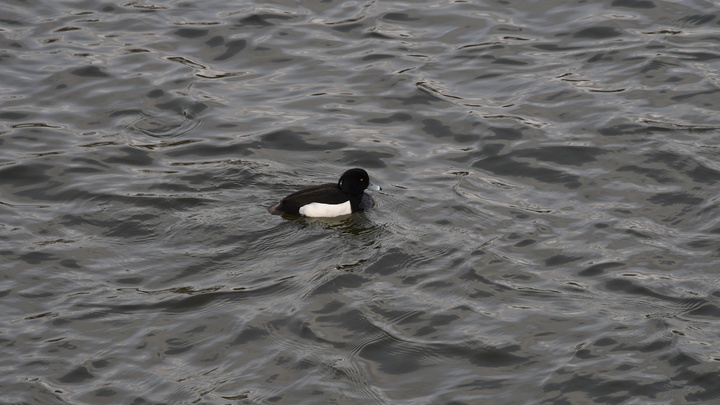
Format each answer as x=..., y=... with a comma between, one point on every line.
x=330, y=199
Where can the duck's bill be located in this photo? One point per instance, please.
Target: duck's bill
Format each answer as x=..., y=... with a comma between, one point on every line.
x=374, y=187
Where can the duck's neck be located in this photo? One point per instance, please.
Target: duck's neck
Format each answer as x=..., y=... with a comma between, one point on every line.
x=355, y=202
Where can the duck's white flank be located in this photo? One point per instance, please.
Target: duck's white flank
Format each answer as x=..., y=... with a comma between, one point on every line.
x=325, y=210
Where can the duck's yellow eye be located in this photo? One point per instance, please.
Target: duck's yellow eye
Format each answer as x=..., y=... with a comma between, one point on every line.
x=362, y=179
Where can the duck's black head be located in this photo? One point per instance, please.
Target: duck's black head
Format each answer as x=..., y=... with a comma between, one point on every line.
x=355, y=181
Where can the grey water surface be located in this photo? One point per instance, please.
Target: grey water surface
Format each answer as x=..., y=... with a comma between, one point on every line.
x=548, y=230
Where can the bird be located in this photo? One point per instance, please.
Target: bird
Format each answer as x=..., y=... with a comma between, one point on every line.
x=330, y=199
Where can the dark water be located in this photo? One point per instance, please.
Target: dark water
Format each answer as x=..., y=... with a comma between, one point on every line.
x=548, y=232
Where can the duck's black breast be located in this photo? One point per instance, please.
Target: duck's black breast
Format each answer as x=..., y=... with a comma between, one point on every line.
x=366, y=203
x=325, y=194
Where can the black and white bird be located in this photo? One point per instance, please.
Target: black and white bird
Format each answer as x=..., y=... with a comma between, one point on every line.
x=331, y=199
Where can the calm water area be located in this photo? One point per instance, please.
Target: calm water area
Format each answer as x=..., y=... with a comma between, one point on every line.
x=548, y=230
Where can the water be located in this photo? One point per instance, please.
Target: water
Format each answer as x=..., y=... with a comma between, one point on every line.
x=547, y=231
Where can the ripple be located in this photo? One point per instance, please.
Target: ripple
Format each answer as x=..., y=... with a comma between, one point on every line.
x=548, y=206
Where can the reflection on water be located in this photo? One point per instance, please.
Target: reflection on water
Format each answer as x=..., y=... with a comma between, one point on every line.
x=546, y=233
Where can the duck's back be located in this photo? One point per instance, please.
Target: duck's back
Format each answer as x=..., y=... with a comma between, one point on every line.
x=328, y=193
